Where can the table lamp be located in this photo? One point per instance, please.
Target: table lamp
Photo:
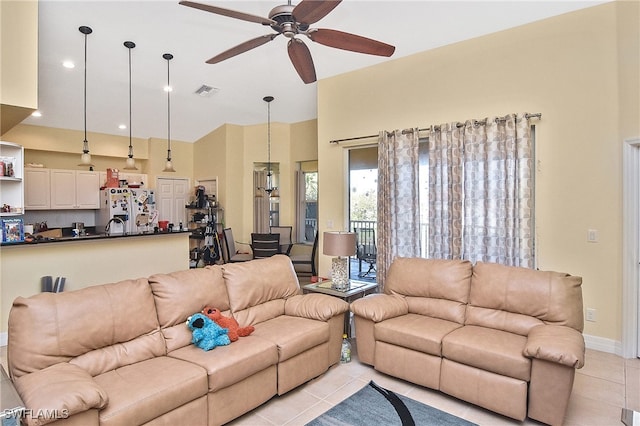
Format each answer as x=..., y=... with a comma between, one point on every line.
x=342, y=245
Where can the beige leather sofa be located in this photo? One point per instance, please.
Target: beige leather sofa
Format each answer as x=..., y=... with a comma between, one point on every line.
x=507, y=339
x=121, y=353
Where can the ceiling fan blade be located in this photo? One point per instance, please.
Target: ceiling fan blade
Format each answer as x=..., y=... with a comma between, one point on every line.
x=301, y=60
x=228, y=12
x=242, y=47
x=311, y=11
x=352, y=42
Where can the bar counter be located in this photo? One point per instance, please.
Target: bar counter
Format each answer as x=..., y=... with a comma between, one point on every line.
x=86, y=261
x=89, y=237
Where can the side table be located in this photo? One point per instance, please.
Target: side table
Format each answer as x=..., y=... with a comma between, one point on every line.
x=11, y=405
x=356, y=290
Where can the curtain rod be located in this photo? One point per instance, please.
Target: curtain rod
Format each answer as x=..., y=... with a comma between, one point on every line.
x=535, y=115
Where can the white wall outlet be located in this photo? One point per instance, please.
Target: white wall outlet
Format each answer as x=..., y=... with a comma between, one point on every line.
x=591, y=314
x=592, y=235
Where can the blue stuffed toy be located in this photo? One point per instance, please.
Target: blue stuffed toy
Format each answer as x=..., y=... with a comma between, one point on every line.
x=206, y=333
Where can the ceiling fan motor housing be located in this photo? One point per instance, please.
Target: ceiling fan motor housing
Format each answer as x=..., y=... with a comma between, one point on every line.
x=285, y=22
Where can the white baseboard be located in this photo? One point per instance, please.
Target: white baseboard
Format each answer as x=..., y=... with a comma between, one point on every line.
x=603, y=345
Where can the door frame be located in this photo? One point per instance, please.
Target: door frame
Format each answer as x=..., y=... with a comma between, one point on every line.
x=630, y=247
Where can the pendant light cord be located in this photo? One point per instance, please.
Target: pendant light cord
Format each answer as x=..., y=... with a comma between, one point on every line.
x=85, y=92
x=130, y=131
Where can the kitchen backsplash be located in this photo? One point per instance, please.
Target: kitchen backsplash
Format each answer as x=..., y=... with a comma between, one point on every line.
x=61, y=218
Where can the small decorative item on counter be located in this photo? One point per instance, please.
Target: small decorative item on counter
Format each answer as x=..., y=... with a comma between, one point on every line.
x=6, y=208
x=2, y=166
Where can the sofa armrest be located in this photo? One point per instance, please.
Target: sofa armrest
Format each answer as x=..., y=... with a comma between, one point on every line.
x=379, y=307
x=319, y=307
x=58, y=391
x=555, y=343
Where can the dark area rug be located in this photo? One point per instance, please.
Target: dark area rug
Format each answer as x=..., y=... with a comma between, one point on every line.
x=374, y=405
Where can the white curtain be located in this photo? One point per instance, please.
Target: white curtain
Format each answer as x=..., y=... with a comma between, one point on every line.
x=398, y=196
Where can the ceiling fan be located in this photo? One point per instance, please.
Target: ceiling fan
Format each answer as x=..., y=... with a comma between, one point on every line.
x=293, y=21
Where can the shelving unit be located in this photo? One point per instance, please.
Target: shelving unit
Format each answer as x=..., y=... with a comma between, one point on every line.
x=12, y=187
x=204, y=223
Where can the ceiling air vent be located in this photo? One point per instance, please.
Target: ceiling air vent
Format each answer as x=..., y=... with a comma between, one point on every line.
x=206, y=91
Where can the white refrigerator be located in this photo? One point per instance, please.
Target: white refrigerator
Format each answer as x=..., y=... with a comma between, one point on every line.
x=127, y=210
x=144, y=214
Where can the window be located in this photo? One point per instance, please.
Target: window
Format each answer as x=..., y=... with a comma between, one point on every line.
x=307, y=205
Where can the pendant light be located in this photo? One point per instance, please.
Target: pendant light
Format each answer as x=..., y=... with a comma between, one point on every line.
x=130, y=163
x=271, y=190
x=85, y=158
x=168, y=166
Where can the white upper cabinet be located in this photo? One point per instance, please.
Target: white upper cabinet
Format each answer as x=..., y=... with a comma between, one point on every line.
x=37, y=191
x=75, y=189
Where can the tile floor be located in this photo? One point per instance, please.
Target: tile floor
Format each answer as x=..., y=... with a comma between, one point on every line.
x=605, y=385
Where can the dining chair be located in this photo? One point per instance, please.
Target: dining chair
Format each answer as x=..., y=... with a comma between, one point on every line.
x=366, y=251
x=230, y=245
x=308, y=258
x=285, y=237
x=265, y=245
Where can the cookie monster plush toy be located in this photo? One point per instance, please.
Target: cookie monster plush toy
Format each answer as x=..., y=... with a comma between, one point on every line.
x=206, y=333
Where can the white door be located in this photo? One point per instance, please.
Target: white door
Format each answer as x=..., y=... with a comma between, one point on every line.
x=172, y=195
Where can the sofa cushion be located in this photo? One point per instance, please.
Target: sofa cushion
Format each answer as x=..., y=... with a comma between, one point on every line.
x=293, y=335
x=227, y=365
x=70, y=324
x=488, y=349
x=141, y=392
x=437, y=279
x=552, y=297
x=417, y=332
x=182, y=293
x=259, y=282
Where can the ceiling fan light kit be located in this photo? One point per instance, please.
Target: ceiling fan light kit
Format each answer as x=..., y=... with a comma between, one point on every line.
x=293, y=21
x=130, y=163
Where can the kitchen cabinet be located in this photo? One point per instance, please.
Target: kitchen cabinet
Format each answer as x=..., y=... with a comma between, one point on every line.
x=75, y=189
x=37, y=189
x=11, y=179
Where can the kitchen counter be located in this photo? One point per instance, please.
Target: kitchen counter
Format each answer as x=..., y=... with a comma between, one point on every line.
x=86, y=261
x=91, y=237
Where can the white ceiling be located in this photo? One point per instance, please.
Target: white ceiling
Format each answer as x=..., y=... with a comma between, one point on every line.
x=193, y=36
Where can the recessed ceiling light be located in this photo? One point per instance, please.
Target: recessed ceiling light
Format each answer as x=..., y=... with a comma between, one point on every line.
x=68, y=64
x=122, y=126
x=168, y=89
x=36, y=114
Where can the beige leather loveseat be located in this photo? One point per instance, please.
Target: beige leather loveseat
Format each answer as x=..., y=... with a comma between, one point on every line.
x=505, y=338
x=121, y=353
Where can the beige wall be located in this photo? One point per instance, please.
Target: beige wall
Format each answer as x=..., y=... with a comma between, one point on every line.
x=565, y=67
x=18, y=61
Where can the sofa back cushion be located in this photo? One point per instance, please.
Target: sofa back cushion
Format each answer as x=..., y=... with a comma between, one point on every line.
x=98, y=328
x=516, y=299
x=183, y=293
x=258, y=289
x=433, y=287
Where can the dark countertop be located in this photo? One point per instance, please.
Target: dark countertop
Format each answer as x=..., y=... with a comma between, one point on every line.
x=91, y=237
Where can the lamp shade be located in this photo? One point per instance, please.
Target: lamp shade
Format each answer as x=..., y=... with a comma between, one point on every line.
x=339, y=243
